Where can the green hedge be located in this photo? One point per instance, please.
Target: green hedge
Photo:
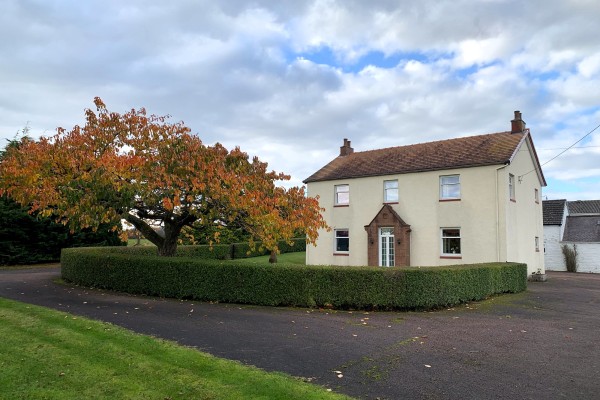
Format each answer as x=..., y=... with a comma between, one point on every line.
x=216, y=252
x=291, y=285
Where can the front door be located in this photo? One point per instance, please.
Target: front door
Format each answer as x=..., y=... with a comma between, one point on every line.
x=386, y=247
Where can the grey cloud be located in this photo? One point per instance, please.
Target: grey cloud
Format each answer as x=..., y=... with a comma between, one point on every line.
x=228, y=70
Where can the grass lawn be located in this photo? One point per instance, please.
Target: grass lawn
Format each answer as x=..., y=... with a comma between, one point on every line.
x=143, y=242
x=291, y=258
x=46, y=354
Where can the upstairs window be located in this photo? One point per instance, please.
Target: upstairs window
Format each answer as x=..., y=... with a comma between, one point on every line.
x=342, y=241
x=536, y=194
x=342, y=195
x=511, y=187
x=450, y=187
x=390, y=191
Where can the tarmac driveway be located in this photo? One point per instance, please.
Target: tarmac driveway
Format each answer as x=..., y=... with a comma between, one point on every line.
x=541, y=344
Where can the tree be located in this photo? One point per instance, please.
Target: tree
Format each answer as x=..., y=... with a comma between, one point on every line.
x=146, y=170
x=27, y=238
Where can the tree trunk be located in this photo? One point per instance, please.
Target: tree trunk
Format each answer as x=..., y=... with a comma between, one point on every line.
x=273, y=257
x=169, y=243
x=168, y=247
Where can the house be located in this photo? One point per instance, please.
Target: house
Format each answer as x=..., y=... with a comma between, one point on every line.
x=465, y=200
x=575, y=224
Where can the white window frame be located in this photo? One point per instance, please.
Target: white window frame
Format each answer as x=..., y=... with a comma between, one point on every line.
x=384, y=241
x=335, y=240
x=337, y=191
x=537, y=244
x=446, y=184
x=511, y=187
x=389, y=190
x=442, y=237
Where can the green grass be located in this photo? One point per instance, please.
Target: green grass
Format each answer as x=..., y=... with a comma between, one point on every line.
x=143, y=242
x=46, y=354
x=288, y=258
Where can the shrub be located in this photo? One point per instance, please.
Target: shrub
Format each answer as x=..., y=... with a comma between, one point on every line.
x=291, y=285
x=30, y=239
x=570, y=255
x=242, y=250
x=217, y=251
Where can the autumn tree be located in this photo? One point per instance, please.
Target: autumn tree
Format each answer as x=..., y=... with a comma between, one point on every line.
x=27, y=238
x=148, y=171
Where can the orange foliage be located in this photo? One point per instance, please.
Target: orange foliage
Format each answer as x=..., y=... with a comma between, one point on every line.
x=142, y=168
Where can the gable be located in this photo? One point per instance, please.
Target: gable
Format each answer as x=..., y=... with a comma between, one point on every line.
x=492, y=149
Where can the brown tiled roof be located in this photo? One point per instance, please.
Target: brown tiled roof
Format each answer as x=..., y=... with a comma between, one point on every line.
x=472, y=151
x=553, y=211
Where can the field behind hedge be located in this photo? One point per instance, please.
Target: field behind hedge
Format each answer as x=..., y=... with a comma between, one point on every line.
x=243, y=281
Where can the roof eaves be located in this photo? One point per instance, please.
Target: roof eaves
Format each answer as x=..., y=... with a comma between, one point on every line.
x=370, y=175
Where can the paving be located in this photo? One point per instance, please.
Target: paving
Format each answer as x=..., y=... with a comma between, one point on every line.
x=540, y=344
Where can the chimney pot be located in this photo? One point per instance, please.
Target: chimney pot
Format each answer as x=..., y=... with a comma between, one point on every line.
x=517, y=124
x=346, y=149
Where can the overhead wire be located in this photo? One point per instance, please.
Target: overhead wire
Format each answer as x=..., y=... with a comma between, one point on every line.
x=564, y=151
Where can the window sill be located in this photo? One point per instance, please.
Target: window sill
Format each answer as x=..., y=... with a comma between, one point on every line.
x=341, y=205
x=391, y=202
x=445, y=200
x=341, y=254
x=513, y=200
x=457, y=257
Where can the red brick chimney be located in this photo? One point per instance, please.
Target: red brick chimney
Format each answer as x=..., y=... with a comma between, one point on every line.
x=517, y=124
x=346, y=149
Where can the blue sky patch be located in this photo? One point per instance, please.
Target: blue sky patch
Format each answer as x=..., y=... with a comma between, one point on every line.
x=325, y=55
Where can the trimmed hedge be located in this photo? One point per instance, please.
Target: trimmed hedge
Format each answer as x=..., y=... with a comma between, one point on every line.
x=291, y=285
x=216, y=252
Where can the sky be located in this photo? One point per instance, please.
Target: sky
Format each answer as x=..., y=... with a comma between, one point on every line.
x=287, y=81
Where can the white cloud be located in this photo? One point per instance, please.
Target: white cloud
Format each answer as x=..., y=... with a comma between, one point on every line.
x=231, y=70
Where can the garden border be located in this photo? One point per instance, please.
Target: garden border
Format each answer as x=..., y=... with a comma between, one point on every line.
x=291, y=285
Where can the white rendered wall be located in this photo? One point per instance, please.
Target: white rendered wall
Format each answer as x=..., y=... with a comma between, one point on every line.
x=588, y=256
x=553, y=257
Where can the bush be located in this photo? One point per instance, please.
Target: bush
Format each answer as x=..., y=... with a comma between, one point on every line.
x=291, y=285
x=217, y=251
x=242, y=250
x=570, y=255
x=30, y=239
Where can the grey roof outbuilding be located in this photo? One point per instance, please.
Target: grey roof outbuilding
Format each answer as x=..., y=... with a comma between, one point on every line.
x=582, y=229
x=584, y=207
x=553, y=211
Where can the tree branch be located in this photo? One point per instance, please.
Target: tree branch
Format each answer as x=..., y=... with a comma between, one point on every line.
x=145, y=229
